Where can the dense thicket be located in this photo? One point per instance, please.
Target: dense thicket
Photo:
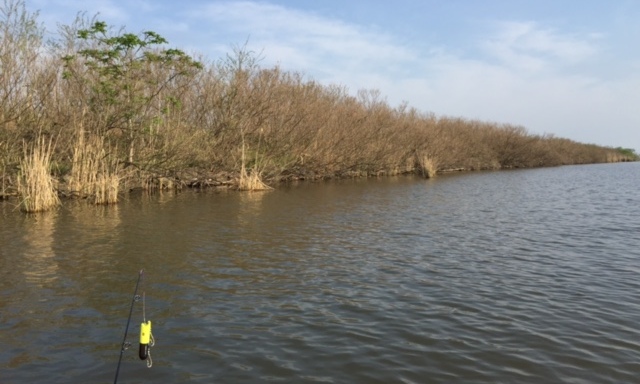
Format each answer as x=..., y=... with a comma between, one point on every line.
x=122, y=106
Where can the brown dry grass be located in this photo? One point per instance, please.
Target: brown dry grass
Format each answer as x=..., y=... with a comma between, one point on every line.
x=106, y=191
x=84, y=168
x=251, y=180
x=36, y=186
x=108, y=180
x=94, y=171
x=428, y=165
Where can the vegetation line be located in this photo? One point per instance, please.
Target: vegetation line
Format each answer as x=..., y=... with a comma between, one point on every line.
x=126, y=111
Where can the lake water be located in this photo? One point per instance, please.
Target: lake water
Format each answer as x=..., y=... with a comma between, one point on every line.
x=528, y=276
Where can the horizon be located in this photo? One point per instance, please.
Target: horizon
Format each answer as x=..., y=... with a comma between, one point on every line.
x=564, y=69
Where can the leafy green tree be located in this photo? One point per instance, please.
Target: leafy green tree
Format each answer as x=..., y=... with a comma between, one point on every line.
x=630, y=153
x=129, y=82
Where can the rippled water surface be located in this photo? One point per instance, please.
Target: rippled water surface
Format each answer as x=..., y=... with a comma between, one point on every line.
x=526, y=276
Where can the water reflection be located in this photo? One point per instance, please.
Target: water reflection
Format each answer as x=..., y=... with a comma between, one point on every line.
x=41, y=268
x=88, y=238
x=96, y=227
x=250, y=207
x=153, y=198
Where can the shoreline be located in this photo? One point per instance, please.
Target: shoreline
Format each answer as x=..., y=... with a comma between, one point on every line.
x=229, y=181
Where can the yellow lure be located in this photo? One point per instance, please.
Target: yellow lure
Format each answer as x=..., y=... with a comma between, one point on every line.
x=145, y=338
x=145, y=332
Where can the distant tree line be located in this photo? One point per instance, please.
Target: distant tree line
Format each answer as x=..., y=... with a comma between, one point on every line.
x=110, y=110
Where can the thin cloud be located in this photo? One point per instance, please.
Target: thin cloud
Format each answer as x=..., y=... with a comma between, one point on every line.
x=292, y=37
x=525, y=45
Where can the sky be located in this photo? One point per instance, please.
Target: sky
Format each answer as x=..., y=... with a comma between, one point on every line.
x=570, y=68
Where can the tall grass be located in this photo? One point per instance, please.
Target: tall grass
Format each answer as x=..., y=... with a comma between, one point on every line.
x=108, y=179
x=428, y=165
x=84, y=168
x=251, y=180
x=106, y=188
x=94, y=172
x=36, y=186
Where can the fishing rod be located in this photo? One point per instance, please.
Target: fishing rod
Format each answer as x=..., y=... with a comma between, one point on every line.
x=146, y=337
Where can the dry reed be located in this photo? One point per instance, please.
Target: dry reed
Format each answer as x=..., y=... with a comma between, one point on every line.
x=35, y=183
x=428, y=165
x=108, y=182
x=84, y=168
x=95, y=170
x=252, y=180
x=106, y=189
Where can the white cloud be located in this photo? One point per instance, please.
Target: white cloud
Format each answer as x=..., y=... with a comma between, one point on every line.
x=526, y=46
x=304, y=41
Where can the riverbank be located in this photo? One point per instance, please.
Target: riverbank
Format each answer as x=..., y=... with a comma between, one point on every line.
x=201, y=180
x=108, y=111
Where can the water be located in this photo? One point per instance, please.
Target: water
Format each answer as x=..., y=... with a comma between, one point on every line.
x=502, y=277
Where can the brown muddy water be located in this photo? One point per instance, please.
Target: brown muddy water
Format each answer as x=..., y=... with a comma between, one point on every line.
x=528, y=276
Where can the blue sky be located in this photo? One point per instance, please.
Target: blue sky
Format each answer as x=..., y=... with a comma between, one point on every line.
x=569, y=68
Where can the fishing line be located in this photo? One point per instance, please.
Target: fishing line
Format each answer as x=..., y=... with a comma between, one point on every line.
x=146, y=337
x=126, y=330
